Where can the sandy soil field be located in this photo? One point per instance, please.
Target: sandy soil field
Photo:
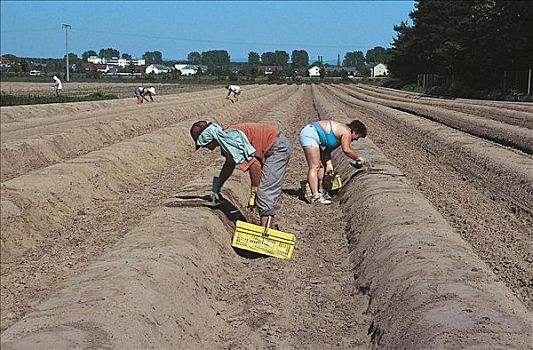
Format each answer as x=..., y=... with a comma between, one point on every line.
x=430, y=249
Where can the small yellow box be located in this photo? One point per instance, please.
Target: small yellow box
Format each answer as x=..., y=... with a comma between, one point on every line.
x=306, y=190
x=336, y=184
x=253, y=238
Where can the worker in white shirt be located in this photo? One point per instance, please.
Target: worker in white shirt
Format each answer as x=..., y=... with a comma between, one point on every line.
x=235, y=89
x=57, y=85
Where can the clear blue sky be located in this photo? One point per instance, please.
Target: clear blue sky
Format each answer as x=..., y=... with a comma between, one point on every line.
x=326, y=28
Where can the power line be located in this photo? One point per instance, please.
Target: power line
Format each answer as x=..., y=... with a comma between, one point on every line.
x=30, y=30
x=249, y=43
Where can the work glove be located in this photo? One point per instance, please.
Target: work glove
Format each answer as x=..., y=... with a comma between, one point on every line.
x=214, y=194
x=329, y=167
x=360, y=162
x=251, y=200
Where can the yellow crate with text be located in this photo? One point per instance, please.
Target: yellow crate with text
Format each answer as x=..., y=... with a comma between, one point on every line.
x=254, y=238
x=306, y=190
x=336, y=184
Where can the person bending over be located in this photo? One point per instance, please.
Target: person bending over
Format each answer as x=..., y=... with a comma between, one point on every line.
x=255, y=147
x=318, y=139
x=235, y=89
x=142, y=92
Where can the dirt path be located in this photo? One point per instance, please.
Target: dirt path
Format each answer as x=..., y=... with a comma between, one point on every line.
x=312, y=300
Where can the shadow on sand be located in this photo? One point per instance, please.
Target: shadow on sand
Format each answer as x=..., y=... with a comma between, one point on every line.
x=225, y=207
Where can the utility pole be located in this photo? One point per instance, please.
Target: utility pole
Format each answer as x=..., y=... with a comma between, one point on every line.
x=67, y=27
x=529, y=82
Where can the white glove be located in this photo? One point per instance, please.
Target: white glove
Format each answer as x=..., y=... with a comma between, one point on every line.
x=329, y=168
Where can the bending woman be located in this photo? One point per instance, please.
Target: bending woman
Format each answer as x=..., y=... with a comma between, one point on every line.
x=318, y=140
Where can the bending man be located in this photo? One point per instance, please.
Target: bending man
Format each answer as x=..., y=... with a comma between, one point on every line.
x=255, y=147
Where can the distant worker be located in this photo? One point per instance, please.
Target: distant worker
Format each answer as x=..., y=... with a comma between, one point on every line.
x=142, y=92
x=318, y=140
x=235, y=89
x=57, y=85
x=255, y=147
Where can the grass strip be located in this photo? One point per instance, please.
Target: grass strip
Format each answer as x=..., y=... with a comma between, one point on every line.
x=31, y=99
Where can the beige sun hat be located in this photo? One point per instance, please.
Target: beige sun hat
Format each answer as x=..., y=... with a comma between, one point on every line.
x=151, y=90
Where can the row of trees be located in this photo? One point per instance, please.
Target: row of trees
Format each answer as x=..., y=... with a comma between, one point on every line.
x=473, y=43
x=298, y=58
x=217, y=61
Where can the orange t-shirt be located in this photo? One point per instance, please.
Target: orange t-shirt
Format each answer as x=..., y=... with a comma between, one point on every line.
x=261, y=136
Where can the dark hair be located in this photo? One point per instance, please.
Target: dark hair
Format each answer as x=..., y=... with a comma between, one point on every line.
x=358, y=127
x=197, y=128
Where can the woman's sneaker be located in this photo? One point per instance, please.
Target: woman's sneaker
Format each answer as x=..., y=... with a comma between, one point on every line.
x=318, y=198
x=325, y=194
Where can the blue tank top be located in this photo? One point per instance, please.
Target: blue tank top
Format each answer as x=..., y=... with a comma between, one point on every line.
x=327, y=140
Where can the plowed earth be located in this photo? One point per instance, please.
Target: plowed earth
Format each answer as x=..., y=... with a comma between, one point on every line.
x=432, y=250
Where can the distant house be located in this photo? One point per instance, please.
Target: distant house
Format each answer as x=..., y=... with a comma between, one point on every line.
x=378, y=70
x=186, y=69
x=314, y=71
x=5, y=63
x=157, y=69
x=267, y=70
x=115, y=61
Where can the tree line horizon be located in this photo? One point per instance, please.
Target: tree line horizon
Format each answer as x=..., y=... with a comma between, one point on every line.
x=298, y=58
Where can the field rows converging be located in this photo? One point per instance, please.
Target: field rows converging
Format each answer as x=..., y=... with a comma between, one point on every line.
x=96, y=254
x=411, y=262
x=60, y=205
x=460, y=103
x=522, y=118
x=499, y=131
x=482, y=189
x=63, y=134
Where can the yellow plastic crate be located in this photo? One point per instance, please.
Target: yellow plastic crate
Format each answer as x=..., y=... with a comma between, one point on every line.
x=253, y=238
x=336, y=184
x=306, y=189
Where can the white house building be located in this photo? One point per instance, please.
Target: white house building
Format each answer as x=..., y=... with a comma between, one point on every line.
x=157, y=69
x=121, y=62
x=186, y=69
x=314, y=71
x=379, y=70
